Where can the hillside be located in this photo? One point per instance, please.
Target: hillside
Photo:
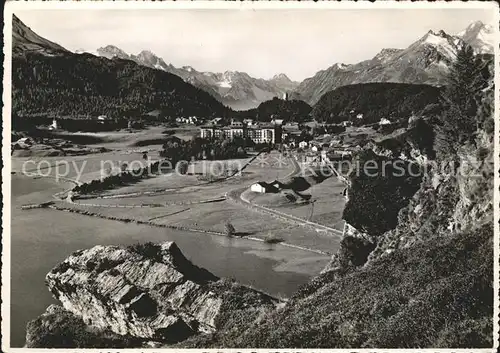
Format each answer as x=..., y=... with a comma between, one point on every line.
x=290, y=110
x=25, y=40
x=426, y=61
x=401, y=301
x=426, y=280
x=394, y=101
x=83, y=85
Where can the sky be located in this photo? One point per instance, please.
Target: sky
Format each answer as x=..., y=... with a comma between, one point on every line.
x=297, y=42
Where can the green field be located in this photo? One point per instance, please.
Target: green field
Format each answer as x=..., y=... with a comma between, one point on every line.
x=191, y=201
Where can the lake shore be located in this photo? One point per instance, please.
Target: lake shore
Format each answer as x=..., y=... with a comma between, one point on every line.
x=41, y=239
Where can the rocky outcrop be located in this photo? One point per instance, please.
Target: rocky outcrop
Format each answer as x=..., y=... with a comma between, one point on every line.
x=59, y=328
x=149, y=292
x=453, y=198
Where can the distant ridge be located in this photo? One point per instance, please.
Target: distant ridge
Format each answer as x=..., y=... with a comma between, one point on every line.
x=49, y=80
x=236, y=89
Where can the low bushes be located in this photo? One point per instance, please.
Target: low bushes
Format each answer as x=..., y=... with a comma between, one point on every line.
x=116, y=180
x=272, y=239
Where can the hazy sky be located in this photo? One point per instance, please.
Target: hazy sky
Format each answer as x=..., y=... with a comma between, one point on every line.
x=262, y=43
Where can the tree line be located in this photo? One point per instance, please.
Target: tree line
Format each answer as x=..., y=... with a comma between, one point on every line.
x=85, y=86
x=393, y=101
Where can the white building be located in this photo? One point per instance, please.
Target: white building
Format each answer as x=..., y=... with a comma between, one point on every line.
x=54, y=125
x=258, y=187
x=303, y=144
x=384, y=121
x=262, y=133
x=277, y=122
x=24, y=142
x=248, y=122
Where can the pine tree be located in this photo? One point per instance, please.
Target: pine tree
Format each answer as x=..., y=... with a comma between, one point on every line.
x=458, y=121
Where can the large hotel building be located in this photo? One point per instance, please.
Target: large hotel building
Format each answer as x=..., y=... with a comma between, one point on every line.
x=258, y=133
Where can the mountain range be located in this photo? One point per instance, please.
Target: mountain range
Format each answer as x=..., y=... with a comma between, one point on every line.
x=235, y=89
x=424, y=61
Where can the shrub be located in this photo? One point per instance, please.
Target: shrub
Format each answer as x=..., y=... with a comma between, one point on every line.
x=460, y=119
x=229, y=229
x=271, y=238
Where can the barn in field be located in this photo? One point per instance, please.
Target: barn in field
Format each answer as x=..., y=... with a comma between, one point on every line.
x=263, y=188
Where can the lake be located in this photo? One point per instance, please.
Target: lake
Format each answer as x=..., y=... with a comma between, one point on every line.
x=42, y=238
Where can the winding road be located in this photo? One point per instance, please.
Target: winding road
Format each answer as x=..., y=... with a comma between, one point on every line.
x=237, y=196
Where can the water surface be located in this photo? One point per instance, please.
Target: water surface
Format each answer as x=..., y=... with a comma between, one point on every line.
x=42, y=238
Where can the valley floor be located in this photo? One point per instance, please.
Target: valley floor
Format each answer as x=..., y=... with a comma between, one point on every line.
x=181, y=208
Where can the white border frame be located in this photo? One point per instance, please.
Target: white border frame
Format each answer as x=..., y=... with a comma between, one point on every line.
x=12, y=6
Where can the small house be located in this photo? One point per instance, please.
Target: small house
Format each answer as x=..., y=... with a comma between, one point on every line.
x=303, y=144
x=278, y=122
x=23, y=142
x=384, y=121
x=263, y=188
x=54, y=125
x=248, y=122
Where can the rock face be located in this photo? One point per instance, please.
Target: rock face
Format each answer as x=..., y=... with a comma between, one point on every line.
x=58, y=328
x=148, y=291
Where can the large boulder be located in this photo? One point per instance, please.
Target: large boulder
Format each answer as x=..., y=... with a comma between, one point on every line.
x=147, y=291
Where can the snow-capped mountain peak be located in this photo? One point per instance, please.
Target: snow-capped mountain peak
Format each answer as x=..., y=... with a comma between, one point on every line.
x=480, y=36
x=475, y=27
x=281, y=77
x=110, y=52
x=442, y=42
x=146, y=54
x=387, y=54
x=341, y=66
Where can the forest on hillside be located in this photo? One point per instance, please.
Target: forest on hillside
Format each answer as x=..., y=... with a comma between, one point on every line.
x=289, y=110
x=74, y=85
x=394, y=101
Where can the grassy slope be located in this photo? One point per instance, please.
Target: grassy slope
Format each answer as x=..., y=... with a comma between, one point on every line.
x=436, y=294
